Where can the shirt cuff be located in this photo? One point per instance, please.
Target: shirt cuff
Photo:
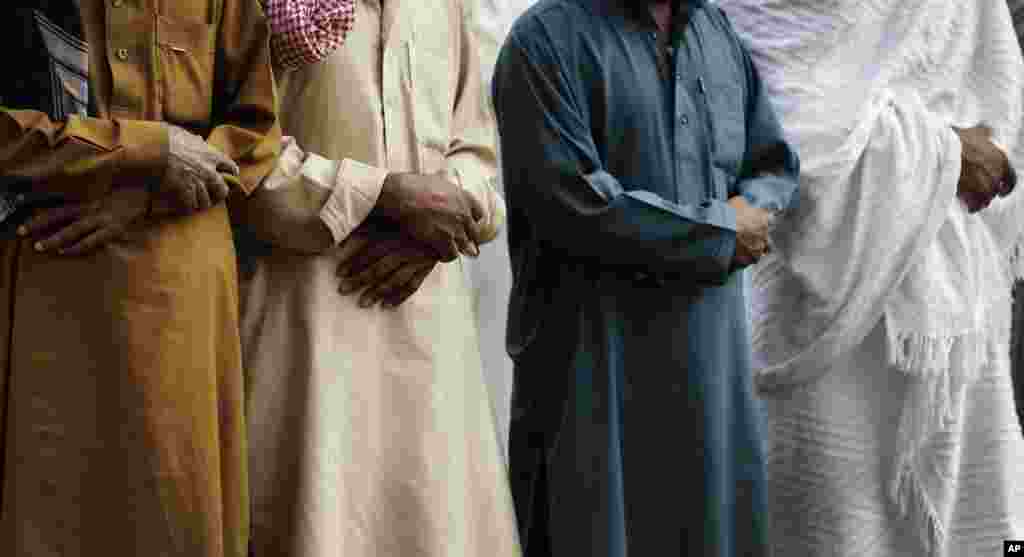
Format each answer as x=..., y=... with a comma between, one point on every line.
x=768, y=192
x=357, y=187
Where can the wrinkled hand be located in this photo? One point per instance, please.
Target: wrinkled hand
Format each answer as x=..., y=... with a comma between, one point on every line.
x=752, y=228
x=387, y=266
x=194, y=179
x=985, y=172
x=80, y=228
x=434, y=211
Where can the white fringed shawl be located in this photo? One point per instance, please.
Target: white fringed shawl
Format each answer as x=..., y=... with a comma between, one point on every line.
x=868, y=91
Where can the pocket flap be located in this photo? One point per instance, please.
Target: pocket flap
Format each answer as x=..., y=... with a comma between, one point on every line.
x=187, y=36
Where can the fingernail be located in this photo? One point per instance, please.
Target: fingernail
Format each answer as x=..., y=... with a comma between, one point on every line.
x=38, y=246
x=22, y=230
x=475, y=250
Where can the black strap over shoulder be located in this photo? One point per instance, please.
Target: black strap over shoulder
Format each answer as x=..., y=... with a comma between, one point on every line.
x=28, y=83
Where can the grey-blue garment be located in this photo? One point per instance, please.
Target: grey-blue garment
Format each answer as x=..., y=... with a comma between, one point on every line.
x=635, y=431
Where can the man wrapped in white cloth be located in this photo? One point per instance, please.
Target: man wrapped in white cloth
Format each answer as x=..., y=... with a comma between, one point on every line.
x=881, y=319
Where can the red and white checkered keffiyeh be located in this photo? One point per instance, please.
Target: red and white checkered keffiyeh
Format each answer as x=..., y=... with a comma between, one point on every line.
x=305, y=32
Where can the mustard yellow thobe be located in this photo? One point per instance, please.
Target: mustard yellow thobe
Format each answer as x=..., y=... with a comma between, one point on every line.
x=120, y=372
x=371, y=429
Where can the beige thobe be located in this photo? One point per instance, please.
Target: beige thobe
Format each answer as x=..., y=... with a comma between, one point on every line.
x=371, y=431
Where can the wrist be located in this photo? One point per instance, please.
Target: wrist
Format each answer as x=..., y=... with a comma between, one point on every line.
x=387, y=201
x=146, y=151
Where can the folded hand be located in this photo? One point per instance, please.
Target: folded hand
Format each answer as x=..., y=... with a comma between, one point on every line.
x=385, y=265
x=752, y=228
x=195, y=177
x=433, y=210
x=80, y=228
x=985, y=170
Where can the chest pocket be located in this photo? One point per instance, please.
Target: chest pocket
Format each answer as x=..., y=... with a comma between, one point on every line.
x=185, y=54
x=429, y=53
x=727, y=98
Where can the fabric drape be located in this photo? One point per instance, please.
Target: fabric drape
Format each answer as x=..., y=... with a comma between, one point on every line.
x=870, y=92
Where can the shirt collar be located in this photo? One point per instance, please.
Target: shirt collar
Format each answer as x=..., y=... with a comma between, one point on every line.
x=633, y=11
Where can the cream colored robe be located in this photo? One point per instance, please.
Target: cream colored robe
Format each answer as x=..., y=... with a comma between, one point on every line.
x=371, y=430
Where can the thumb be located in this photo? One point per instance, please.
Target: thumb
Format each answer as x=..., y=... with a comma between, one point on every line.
x=476, y=208
x=225, y=165
x=221, y=162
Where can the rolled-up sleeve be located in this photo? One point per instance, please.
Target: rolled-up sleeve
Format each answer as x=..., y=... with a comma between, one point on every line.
x=771, y=168
x=356, y=189
x=80, y=157
x=306, y=194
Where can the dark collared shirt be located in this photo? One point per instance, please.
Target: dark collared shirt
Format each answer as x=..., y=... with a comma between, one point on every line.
x=609, y=162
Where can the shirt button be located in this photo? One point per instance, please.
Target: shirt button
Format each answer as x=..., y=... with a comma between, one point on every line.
x=684, y=120
x=122, y=53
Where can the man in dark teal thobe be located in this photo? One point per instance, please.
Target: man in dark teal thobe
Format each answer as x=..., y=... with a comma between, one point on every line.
x=641, y=162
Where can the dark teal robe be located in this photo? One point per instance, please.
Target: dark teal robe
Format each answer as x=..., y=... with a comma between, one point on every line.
x=635, y=431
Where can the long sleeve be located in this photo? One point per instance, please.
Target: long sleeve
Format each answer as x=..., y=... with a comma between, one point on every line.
x=771, y=169
x=306, y=194
x=554, y=175
x=471, y=158
x=246, y=125
x=80, y=157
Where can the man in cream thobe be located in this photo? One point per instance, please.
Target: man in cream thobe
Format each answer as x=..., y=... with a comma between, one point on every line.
x=371, y=430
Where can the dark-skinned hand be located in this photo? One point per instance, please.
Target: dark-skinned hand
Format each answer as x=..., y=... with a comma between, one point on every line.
x=81, y=228
x=434, y=211
x=385, y=265
x=985, y=171
x=752, y=228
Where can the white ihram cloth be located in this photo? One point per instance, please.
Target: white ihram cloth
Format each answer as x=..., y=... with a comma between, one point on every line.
x=881, y=323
